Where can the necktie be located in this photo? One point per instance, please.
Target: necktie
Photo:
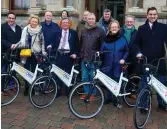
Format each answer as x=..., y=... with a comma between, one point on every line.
x=64, y=40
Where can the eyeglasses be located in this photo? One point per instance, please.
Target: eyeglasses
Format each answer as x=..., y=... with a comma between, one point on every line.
x=129, y=21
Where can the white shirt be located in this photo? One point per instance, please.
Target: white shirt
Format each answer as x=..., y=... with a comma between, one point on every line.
x=13, y=27
x=66, y=40
x=151, y=24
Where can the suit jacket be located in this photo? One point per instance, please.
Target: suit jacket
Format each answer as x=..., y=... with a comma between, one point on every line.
x=9, y=37
x=72, y=39
x=150, y=42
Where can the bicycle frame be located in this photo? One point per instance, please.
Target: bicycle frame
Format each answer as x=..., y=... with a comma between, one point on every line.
x=26, y=74
x=111, y=84
x=62, y=75
x=159, y=87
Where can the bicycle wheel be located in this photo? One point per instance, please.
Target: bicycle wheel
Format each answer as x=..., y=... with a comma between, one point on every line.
x=86, y=107
x=43, y=92
x=10, y=86
x=131, y=87
x=142, y=108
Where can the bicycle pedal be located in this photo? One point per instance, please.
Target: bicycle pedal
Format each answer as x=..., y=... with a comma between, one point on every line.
x=119, y=106
x=36, y=93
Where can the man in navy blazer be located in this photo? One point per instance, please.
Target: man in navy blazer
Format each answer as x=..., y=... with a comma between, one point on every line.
x=10, y=34
x=150, y=41
x=65, y=43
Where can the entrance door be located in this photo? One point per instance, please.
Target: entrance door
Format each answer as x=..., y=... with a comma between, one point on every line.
x=118, y=9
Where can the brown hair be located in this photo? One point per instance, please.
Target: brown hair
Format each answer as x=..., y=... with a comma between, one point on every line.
x=150, y=9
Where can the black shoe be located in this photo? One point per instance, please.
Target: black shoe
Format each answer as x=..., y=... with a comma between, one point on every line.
x=107, y=101
x=143, y=111
x=26, y=93
x=162, y=107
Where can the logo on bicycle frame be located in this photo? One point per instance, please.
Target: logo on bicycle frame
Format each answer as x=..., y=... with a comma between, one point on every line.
x=115, y=87
x=166, y=94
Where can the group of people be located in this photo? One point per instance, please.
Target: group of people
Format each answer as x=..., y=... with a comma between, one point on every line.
x=124, y=44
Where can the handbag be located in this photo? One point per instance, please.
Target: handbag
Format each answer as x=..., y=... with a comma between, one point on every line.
x=27, y=52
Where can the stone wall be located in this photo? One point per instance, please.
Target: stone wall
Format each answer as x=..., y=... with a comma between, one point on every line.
x=22, y=19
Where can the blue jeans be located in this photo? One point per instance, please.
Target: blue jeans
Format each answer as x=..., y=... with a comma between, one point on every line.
x=88, y=72
x=143, y=82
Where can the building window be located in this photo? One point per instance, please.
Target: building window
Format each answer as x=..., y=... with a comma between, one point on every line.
x=19, y=4
x=39, y=3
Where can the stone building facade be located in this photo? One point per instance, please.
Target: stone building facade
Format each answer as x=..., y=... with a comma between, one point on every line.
x=138, y=8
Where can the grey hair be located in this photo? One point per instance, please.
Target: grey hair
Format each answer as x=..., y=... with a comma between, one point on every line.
x=127, y=16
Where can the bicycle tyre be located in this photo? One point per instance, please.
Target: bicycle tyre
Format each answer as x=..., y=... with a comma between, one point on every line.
x=131, y=88
x=78, y=87
x=8, y=89
x=37, y=89
x=143, y=99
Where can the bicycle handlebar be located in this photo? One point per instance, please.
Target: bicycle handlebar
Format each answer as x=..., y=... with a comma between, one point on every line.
x=150, y=64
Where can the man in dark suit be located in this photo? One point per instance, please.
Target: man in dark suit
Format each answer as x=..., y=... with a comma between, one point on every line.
x=10, y=35
x=65, y=43
x=150, y=41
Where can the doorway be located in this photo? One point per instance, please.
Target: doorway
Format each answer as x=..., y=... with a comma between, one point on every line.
x=116, y=6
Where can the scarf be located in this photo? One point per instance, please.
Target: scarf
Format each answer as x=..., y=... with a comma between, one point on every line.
x=90, y=27
x=33, y=31
x=111, y=38
x=83, y=21
x=128, y=32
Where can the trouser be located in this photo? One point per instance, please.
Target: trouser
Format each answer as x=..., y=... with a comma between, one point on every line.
x=88, y=72
x=30, y=65
x=64, y=62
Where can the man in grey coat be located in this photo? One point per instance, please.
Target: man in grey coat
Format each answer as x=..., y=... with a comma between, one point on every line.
x=105, y=20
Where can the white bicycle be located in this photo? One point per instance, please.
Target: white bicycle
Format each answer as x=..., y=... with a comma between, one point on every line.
x=143, y=103
x=92, y=104
x=48, y=81
x=10, y=83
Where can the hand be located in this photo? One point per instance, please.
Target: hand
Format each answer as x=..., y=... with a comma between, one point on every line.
x=74, y=56
x=44, y=53
x=13, y=46
x=139, y=56
x=97, y=54
x=122, y=61
x=49, y=47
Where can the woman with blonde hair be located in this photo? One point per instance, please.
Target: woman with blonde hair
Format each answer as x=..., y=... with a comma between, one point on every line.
x=32, y=38
x=117, y=46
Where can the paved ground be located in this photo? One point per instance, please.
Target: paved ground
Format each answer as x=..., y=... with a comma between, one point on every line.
x=22, y=115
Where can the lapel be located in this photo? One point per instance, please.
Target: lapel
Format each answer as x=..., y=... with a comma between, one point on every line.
x=10, y=29
x=69, y=35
